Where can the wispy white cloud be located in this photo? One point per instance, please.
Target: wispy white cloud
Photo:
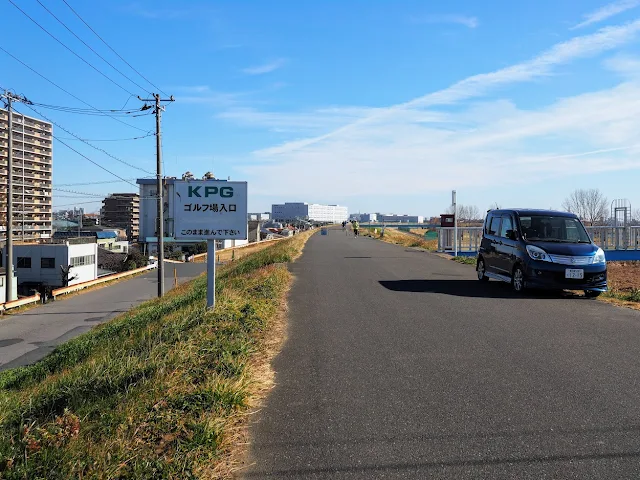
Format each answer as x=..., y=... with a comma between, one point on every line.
x=624, y=65
x=266, y=67
x=606, y=12
x=419, y=146
x=203, y=94
x=481, y=84
x=471, y=22
x=589, y=133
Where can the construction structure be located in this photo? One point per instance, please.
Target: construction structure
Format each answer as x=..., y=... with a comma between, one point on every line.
x=122, y=210
x=32, y=177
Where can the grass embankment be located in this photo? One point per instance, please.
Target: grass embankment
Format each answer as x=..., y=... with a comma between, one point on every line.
x=162, y=391
x=397, y=237
x=624, y=283
x=465, y=260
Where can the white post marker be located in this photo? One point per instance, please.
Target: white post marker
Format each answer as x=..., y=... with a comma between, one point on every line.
x=210, y=210
x=211, y=273
x=455, y=223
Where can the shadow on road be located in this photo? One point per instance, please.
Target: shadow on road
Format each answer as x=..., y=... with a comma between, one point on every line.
x=467, y=288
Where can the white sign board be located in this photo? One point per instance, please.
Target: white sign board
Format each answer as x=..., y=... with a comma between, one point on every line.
x=210, y=210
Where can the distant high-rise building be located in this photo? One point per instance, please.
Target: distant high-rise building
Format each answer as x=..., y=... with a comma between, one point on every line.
x=122, y=210
x=32, y=173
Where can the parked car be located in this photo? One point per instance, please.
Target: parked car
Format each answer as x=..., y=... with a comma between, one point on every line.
x=540, y=249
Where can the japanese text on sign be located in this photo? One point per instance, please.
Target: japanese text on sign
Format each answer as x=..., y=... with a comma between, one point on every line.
x=208, y=209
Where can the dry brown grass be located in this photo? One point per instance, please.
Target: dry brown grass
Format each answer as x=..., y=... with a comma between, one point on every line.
x=396, y=237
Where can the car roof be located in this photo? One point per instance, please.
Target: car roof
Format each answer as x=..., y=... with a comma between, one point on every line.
x=533, y=211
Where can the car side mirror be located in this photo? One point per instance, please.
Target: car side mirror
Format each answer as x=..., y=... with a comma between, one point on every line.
x=512, y=235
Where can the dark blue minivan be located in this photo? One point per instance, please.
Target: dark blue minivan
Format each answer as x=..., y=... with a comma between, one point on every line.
x=540, y=249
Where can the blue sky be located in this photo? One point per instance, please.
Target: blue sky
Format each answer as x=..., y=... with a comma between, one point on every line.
x=377, y=105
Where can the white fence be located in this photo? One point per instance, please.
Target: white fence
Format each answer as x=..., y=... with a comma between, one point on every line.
x=607, y=238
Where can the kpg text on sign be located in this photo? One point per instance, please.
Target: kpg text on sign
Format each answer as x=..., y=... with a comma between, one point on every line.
x=210, y=210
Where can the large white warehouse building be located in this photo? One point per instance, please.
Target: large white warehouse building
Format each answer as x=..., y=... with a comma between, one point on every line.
x=313, y=212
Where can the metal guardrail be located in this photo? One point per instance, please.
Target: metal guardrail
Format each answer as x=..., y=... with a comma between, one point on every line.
x=20, y=302
x=607, y=238
x=468, y=239
x=99, y=280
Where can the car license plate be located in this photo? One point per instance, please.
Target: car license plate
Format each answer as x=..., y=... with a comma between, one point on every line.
x=574, y=273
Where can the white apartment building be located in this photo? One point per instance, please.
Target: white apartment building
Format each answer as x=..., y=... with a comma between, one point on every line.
x=39, y=263
x=32, y=171
x=288, y=212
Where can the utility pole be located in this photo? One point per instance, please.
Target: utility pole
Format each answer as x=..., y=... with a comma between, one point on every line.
x=9, y=99
x=158, y=111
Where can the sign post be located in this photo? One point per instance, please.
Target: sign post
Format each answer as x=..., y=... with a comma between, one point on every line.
x=455, y=223
x=210, y=210
x=211, y=273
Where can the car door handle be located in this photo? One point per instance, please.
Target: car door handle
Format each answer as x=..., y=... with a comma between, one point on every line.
x=499, y=243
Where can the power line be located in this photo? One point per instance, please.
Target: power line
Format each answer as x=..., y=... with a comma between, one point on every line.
x=104, y=182
x=94, y=162
x=110, y=48
x=87, y=111
x=77, y=203
x=68, y=92
x=113, y=139
x=70, y=50
x=90, y=48
x=87, y=143
x=77, y=193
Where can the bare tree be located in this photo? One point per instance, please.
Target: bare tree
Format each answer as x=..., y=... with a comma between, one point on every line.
x=636, y=215
x=473, y=213
x=589, y=204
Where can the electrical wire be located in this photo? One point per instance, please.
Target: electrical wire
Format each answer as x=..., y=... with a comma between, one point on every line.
x=104, y=182
x=90, y=48
x=110, y=48
x=112, y=139
x=70, y=49
x=68, y=92
x=87, y=143
x=87, y=111
x=88, y=159
x=76, y=193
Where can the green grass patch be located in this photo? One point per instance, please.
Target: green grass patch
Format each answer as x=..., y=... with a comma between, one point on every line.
x=632, y=295
x=155, y=393
x=465, y=260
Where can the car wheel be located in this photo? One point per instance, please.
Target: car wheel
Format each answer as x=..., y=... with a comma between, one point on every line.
x=480, y=268
x=592, y=293
x=517, y=279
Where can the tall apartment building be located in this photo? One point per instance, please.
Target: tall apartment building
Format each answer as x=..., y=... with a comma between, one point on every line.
x=32, y=176
x=122, y=210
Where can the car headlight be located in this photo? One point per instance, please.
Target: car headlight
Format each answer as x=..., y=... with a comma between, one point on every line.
x=537, y=253
x=599, y=257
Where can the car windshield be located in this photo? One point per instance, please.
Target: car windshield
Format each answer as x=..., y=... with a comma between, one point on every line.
x=549, y=228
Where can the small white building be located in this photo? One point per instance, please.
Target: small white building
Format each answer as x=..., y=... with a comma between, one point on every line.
x=3, y=286
x=291, y=211
x=41, y=263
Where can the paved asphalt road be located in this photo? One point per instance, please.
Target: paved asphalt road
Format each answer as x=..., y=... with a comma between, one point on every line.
x=399, y=364
x=27, y=337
